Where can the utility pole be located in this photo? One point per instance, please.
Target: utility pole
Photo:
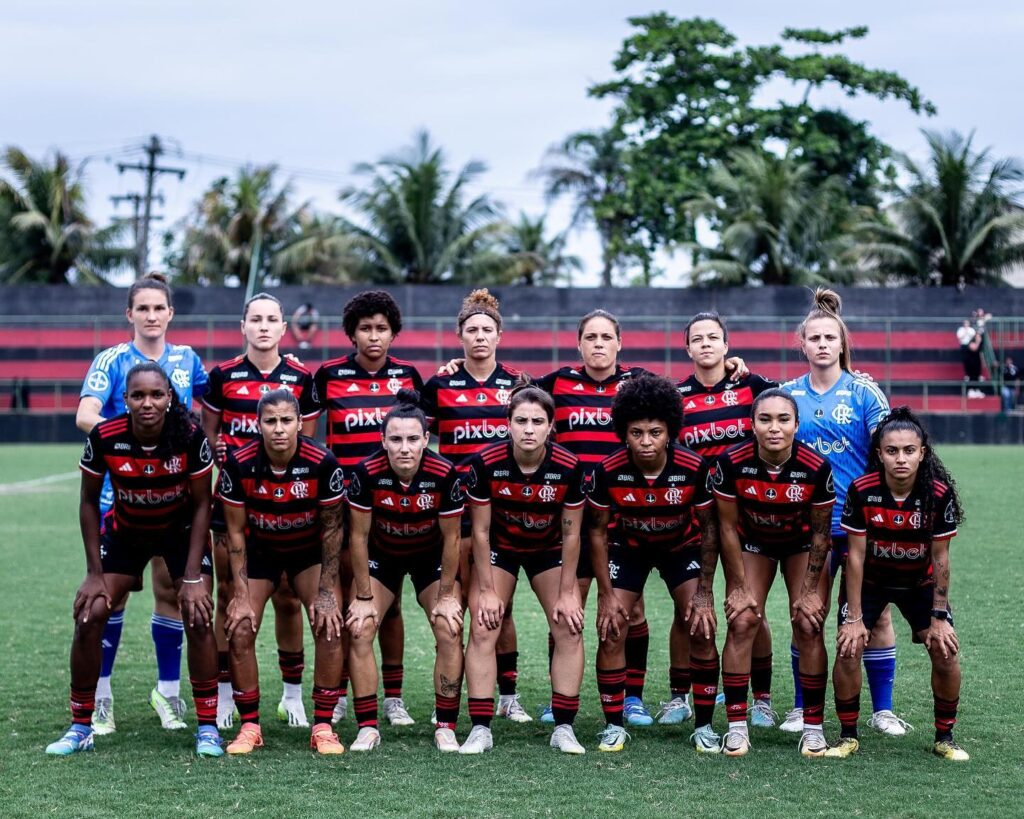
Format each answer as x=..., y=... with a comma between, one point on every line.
x=153, y=149
x=136, y=200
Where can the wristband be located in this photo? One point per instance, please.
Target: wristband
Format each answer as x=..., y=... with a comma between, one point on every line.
x=848, y=620
x=364, y=599
x=191, y=582
x=940, y=614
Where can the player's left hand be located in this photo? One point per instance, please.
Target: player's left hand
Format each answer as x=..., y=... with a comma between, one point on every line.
x=700, y=613
x=942, y=634
x=451, y=610
x=810, y=607
x=324, y=614
x=569, y=607
x=196, y=604
x=736, y=368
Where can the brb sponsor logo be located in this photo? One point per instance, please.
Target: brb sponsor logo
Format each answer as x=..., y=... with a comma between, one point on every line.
x=482, y=431
x=362, y=418
x=714, y=432
x=589, y=418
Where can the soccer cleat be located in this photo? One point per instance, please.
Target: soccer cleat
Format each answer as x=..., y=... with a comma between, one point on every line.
x=812, y=744
x=946, y=748
x=226, y=712
x=794, y=722
x=324, y=741
x=635, y=714
x=103, y=717
x=547, y=715
x=445, y=741
x=395, y=713
x=169, y=709
x=563, y=739
x=889, y=724
x=209, y=742
x=613, y=739
x=736, y=743
x=510, y=708
x=79, y=738
x=762, y=715
x=720, y=699
x=293, y=712
x=340, y=710
x=677, y=710
x=478, y=741
x=367, y=739
x=433, y=717
x=250, y=737
x=706, y=741
x=847, y=746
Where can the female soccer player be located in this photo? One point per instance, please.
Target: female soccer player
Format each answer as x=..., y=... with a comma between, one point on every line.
x=774, y=498
x=150, y=310
x=159, y=463
x=356, y=391
x=405, y=504
x=526, y=500
x=839, y=411
x=282, y=498
x=467, y=404
x=230, y=421
x=651, y=509
x=900, y=517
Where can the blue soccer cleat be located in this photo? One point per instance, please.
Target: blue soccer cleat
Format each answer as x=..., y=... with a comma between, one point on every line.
x=78, y=738
x=547, y=715
x=635, y=713
x=209, y=742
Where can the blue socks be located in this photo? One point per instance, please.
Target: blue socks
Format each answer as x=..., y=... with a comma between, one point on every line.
x=111, y=640
x=880, y=666
x=798, y=692
x=168, y=636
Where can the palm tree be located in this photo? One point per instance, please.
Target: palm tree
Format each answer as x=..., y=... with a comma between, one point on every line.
x=414, y=223
x=535, y=260
x=959, y=219
x=321, y=250
x=45, y=234
x=590, y=167
x=776, y=222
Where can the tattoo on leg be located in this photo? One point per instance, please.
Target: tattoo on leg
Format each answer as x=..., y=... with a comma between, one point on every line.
x=450, y=687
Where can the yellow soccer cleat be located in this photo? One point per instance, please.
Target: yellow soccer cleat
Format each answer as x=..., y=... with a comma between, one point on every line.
x=847, y=747
x=948, y=749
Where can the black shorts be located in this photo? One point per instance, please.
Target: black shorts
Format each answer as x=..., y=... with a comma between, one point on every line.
x=585, y=567
x=915, y=604
x=263, y=564
x=840, y=549
x=629, y=568
x=389, y=570
x=533, y=563
x=775, y=552
x=218, y=525
x=466, y=524
x=127, y=552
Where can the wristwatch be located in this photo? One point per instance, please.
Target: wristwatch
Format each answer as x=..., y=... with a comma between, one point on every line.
x=940, y=614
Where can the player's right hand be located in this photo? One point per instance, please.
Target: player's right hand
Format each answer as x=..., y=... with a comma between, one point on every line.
x=737, y=602
x=239, y=611
x=451, y=367
x=489, y=609
x=851, y=638
x=359, y=611
x=325, y=615
x=610, y=614
x=92, y=588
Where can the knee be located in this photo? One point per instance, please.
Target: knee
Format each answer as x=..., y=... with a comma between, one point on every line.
x=243, y=640
x=443, y=636
x=565, y=638
x=363, y=642
x=946, y=666
x=804, y=633
x=481, y=637
x=287, y=605
x=745, y=626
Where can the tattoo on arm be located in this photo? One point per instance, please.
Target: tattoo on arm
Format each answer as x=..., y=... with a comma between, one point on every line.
x=330, y=521
x=821, y=541
x=450, y=687
x=708, y=522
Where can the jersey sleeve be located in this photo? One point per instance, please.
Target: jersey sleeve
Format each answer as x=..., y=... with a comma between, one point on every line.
x=360, y=493
x=229, y=487
x=598, y=495
x=330, y=482
x=824, y=487
x=702, y=494
x=852, y=520
x=308, y=405
x=99, y=380
x=200, y=454
x=478, y=482
x=575, y=493
x=213, y=398
x=92, y=460
x=722, y=480
x=944, y=517
x=428, y=401
x=417, y=380
x=452, y=498
x=200, y=381
x=758, y=384
x=876, y=406
x=547, y=382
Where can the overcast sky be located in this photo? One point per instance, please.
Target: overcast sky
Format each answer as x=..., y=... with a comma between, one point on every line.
x=318, y=86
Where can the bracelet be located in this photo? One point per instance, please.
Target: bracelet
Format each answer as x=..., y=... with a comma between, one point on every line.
x=849, y=620
x=364, y=599
x=192, y=582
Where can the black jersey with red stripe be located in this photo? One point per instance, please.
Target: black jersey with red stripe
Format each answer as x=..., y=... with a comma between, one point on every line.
x=898, y=543
x=774, y=510
x=282, y=509
x=356, y=402
x=151, y=484
x=716, y=417
x=236, y=387
x=468, y=415
x=583, y=410
x=652, y=512
x=525, y=509
x=406, y=517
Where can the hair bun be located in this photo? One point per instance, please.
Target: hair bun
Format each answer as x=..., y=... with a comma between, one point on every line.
x=828, y=301
x=157, y=277
x=407, y=396
x=480, y=298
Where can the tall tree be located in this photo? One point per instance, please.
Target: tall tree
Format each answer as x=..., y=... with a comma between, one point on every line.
x=533, y=259
x=45, y=235
x=957, y=219
x=416, y=221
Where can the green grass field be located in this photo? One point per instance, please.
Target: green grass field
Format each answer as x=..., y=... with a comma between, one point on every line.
x=144, y=771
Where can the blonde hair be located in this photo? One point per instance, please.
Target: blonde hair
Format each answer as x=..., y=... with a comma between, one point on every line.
x=828, y=304
x=476, y=303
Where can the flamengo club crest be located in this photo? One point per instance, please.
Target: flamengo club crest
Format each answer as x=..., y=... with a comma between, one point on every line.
x=173, y=465
x=795, y=493
x=424, y=501
x=394, y=385
x=502, y=396
x=730, y=398
x=546, y=493
x=673, y=497
x=300, y=489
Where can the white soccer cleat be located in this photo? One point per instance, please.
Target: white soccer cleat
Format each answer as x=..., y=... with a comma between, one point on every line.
x=706, y=741
x=395, y=713
x=736, y=742
x=169, y=709
x=794, y=722
x=510, y=708
x=563, y=739
x=445, y=741
x=293, y=712
x=103, y=717
x=366, y=740
x=889, y=724
x=340, y=710
x=812, y=744
x=762, y=715
x=478, y=741
x=675, y=711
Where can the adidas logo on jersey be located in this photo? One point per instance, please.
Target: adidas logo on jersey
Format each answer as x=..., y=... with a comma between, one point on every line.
x=878, y=519
x=243, y=390
x=353, y=388
x=387, y=502
x=461, y=399
x=629, y=498
x=690, y=405
x=505, y=491
x=751, y=490
x=124, y=468
x=262, y=490
x=579, y=388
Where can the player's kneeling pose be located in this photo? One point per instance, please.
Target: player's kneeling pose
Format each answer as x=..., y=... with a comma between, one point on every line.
x=159, y=462
x=405, y=504
x=651, y=509
x=526, y=501
x=283, y=498
x=775, y=498
x=901, y=515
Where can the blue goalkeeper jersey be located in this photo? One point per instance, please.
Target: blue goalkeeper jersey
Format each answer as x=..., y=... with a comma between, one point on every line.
x=838, y=424
x=106, y=381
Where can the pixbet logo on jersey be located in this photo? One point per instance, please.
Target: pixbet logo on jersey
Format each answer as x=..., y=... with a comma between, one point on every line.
x=896, y=551
x=281, y=523
x=585, y=417
x=244, y=425
x=484, y=430
x=713, y=432
x=363, y=418
x=135, y=497
x=528, y=521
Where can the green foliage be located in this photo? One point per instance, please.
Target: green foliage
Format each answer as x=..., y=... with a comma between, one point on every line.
x=533, y=259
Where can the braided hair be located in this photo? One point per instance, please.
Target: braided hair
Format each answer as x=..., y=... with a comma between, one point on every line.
x=180, y=423
x=903, y=419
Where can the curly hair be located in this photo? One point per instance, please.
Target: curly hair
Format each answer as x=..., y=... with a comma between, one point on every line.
x=407, y=405
x=647, y=398
x=476, y=303
x=828, y=304
x=180, y=422
x=370, y=303
x=931, y=469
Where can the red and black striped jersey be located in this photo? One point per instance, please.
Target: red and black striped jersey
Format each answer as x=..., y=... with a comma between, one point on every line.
x=652, y=512
x=468, y=415
x=898, y=543
x=716, y=417
x=356, y=402
x=774, y=510
x=150, y=484
x=406, y=517
x=236, y=387
x=583, y=410
x=526, y=510
x=282, y=509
